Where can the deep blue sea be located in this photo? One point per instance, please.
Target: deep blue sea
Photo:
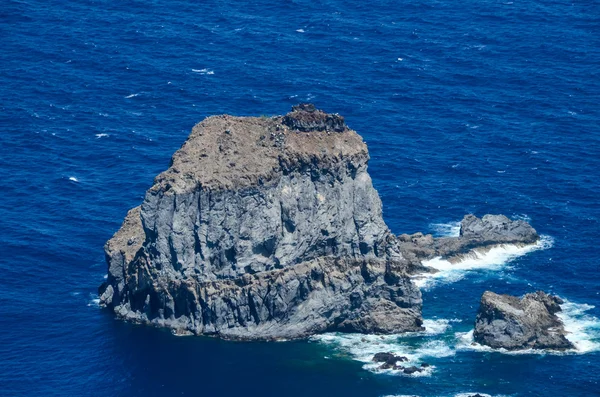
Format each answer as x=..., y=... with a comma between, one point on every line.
x=475, y=106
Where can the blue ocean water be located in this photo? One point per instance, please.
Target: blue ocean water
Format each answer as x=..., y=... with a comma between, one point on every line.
x=467, y=107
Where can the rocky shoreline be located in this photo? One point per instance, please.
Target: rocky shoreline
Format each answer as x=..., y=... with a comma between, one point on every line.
x=270, y=229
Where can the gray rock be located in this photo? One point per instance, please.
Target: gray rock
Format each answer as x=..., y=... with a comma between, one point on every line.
x=412, y=370
x=260, y=231
x=505, y=321
x=270, y=228
x=482, y=234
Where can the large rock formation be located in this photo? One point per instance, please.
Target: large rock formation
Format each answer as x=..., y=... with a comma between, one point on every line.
x=270, y=228
x=263, y=228
x=505, y=321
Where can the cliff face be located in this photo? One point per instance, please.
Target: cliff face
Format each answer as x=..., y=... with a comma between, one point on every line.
x=263, y=228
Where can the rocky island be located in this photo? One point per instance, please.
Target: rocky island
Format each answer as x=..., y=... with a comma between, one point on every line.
x=270, y=228
x=513, y=323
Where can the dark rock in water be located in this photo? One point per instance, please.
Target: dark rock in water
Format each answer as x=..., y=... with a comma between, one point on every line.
x=505, y=321
x=411, y=370
x=425, y=365
x=389, y=360
x=260, y=230
x=475, y=233
x=305, y=117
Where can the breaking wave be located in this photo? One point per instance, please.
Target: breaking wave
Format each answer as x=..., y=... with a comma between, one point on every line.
x=490, y=259
x=450, y=229
x=362, y=348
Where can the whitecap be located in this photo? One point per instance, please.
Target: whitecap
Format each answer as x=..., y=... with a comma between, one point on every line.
x=300, y=30
x=583, y=330
x=362, y=347
x=131, y=95
x=101, y=135
x=493, y=258
x=73, y=179
x=94, y=302
x=439, y=326
x=450, y=229
x=203, y=71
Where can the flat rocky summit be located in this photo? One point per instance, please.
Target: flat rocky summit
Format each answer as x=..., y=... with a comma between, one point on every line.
x=270, y=228
x=227, y=152
x=513, y=323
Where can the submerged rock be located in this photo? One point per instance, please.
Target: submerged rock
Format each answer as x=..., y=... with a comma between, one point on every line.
x=263, y=228
x=512, y=323
x=412, y=370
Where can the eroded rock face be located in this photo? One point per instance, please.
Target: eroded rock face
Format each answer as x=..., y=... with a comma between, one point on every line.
x=512, y=323
x=263, y=228
x=270, y=228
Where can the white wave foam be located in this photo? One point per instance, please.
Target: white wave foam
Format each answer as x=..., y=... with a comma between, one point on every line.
x=437, y=327
x=363, y=347
x=490, y=259
x=132, y=95
x=300, y=30
x=95, y=302
x=73, y=179
x=203, y=71
x=450, y=229
x=583, y=331
x=98, y=136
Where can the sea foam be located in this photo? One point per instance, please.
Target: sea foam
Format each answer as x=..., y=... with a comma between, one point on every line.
x=203, y=71
x=493, y=258
x=417, y=347
x=450, y=229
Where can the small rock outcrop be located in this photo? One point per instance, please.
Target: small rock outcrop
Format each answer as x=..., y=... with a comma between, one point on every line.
x=263, y=228
x=513, y=323
x=305, y=117
x=390, y=361
x=475, y=233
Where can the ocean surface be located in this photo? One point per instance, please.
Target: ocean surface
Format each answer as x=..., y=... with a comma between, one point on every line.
x=474, y=106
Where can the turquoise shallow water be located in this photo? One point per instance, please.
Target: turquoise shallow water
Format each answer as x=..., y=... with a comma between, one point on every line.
x=478, y=106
